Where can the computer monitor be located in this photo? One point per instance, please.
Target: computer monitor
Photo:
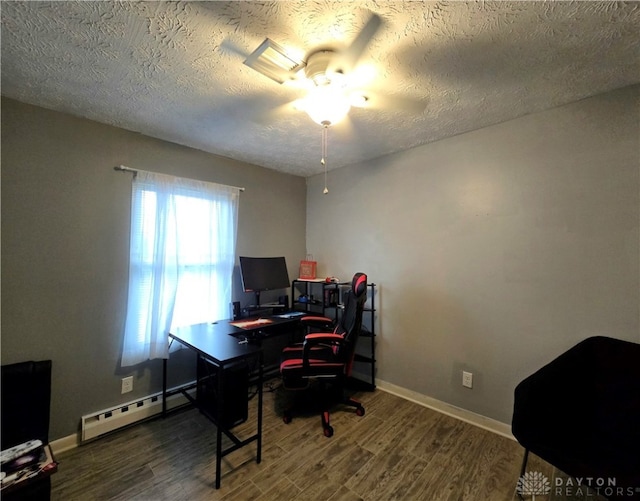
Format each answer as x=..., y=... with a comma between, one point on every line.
x=263, y=274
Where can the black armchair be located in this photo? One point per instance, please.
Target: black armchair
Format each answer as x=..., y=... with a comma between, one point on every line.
x=326, y=357
x=581, y=413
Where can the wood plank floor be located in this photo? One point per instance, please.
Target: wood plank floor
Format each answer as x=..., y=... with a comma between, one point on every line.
x=397, y=451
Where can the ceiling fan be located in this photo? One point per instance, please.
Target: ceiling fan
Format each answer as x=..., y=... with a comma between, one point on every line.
x=329, y=75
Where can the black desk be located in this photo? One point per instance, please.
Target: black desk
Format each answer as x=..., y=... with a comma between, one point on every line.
x=223, y=344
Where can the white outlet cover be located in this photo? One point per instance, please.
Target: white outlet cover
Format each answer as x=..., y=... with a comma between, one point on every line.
x=467, y=379
x=127, y=384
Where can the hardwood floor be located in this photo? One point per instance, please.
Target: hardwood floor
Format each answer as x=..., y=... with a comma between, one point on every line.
x=397, y=451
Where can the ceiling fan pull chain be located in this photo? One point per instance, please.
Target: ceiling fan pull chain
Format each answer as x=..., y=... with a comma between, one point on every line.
x=323, y=161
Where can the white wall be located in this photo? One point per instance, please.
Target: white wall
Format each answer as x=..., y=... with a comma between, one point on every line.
x=494, y=250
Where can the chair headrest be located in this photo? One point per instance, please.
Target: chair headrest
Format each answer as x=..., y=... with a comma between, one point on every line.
x=359, y=284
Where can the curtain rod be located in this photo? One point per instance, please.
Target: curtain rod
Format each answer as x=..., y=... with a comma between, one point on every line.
x=124, y=168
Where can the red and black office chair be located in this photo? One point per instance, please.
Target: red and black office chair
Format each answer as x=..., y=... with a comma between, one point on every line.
x=327, y=357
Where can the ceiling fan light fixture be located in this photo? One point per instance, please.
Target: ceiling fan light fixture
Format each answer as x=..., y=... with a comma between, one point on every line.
x=273, y=61
x=327, y=105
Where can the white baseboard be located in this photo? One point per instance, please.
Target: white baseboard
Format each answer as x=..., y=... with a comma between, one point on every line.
x=151, y=410
x=450, y=410
x=72, y=441
x=65, y=443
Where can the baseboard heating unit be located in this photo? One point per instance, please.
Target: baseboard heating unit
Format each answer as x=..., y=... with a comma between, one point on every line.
x=108, y=420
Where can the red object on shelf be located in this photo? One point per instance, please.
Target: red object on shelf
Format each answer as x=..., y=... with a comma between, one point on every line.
x=308, y=269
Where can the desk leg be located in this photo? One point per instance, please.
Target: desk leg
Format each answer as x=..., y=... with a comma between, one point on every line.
x=165, y=361
x=219, y=408
x=260, y=384
x=164, y=387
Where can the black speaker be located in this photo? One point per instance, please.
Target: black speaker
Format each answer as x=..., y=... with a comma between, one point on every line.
x=235, y=310
x=283, y=300
x=235, y=381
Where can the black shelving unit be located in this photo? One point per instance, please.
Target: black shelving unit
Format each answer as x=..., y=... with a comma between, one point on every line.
x=366, y=347
x=325, y=298
x=316, y=297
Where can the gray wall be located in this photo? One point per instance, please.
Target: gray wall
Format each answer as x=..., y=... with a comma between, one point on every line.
x=65, y=233
x=494, y=250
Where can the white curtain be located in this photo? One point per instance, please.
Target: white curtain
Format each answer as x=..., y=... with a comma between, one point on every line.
x=182, y=253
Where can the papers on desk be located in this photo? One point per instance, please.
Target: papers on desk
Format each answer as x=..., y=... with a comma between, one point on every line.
x=252, y=323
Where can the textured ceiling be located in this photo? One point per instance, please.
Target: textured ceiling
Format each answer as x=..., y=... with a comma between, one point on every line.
x=173, y=70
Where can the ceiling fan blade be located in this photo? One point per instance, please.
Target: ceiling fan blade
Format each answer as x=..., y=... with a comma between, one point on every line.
x=404, y=104
x=268, y=116
x=347, y=59
x=299, y=82
x=230, y=48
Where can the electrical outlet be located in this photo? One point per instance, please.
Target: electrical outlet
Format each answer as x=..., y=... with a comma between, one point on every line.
x=467, y=379
x=127, y=384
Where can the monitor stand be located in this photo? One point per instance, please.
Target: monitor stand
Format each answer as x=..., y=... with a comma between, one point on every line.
x=258, y=309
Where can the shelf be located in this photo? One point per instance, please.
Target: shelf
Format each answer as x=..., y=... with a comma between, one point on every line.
x=331, y=307
x=329, y=293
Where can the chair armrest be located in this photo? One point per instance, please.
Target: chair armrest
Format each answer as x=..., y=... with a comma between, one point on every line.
x=315, y=339
x=317, y=322
x=323, y=337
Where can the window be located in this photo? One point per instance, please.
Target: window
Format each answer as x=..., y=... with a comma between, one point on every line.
x=182, y=253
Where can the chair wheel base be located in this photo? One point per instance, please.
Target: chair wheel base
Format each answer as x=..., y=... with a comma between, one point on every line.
x=328, y=431
x=360, y=411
